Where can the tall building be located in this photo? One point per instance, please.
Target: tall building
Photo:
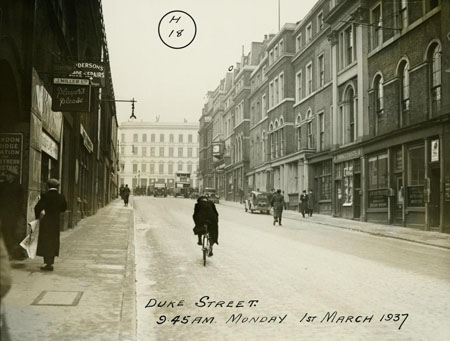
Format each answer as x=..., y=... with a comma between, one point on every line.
x=153, y=152
x=60, y=130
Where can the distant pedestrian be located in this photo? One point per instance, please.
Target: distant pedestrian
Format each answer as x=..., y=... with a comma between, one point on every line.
x=278, y=204
x=303, y=206
x=310, y=202
x=126, y=194
x=53, y=203
x=11, y=204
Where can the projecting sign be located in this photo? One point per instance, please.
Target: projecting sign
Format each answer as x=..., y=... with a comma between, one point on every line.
x=88, y=70
x=434, y=150
x=11, y=153
x=71, y=94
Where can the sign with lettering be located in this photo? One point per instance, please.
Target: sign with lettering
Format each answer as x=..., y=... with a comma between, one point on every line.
x=434, y=150
x=86, y=139
x=378, y=198
x=416, y=196
x=49, y=146
x=71, y=94
x=353, y=154
x=11, y=153
x=93, y=71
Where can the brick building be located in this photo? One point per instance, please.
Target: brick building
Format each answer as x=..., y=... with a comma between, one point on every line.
x=40, y=41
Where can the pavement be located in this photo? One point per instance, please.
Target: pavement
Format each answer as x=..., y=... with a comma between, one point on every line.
x=437, y=239
x=91, y=293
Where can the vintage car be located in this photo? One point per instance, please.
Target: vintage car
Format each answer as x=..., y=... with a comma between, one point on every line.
x=211, y=194
x=258, y=201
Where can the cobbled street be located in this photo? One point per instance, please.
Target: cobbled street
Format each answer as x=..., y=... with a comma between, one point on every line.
x=273, y=280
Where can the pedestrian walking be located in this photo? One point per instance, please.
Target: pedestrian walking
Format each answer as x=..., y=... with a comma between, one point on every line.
x=205, y=213
x=126, y=195
x=13, y=224
x=122, y=187
x=53, y=203
x=277, y=203
x=310, y=203
x=303, y=206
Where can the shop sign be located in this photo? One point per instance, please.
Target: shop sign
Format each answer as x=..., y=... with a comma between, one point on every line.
x=353, y=154
x=86, y=140
x=416, y=196
x=49, y=146
x=71, y=94
x=378, y=198
x=434, y=150
x=11, y=153
x=93, y=70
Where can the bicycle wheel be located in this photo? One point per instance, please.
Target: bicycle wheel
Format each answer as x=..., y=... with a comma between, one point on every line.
x=205, y=248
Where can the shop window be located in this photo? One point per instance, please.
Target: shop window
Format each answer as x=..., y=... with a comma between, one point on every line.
x=398, y=163
x=324, y=180
x=378, y=171
x=348, y=183
x=416, y=176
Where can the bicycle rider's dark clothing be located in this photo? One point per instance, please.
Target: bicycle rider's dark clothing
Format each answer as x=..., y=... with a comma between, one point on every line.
x=205, y=212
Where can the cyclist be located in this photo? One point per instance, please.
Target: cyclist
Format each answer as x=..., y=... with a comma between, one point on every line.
x=205, y=213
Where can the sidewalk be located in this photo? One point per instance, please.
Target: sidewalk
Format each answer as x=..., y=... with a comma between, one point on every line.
x=91, y=293
x=437, y=239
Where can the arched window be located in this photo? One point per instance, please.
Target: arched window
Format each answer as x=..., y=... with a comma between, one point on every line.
x=435, y=70
x=378, y=87
x=349, y=116
x=404, y=92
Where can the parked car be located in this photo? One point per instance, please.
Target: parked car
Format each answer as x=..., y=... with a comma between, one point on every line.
x=258, y=201
x=211, y=194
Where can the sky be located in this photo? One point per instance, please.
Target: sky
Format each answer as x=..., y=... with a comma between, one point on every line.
x=172, y=83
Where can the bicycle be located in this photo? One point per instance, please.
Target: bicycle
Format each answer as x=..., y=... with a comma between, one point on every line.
x=206, y=245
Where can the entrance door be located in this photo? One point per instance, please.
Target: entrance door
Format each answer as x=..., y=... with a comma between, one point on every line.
x=398, y=200
x=433, y=207
x=357, y=196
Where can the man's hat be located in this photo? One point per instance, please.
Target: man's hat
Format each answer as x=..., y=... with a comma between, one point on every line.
x=53, y=183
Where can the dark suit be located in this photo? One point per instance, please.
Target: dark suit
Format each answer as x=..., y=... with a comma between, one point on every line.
x=205, y=212
x=48, y=241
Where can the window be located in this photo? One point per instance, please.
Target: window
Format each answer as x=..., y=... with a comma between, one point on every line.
x=170, y=170
x=180, y=152
x=308, y=32
x=378, y=171
x=170, y=151
x=436, y=79
x=275, y=52
x=161, y=151
x=263, y=106
x=122, y=137
x=152, y=151
x=416, y=166
x=161, y=137
x=281, y=45
x=281, y=86
x=404, y=93
x=180, y=167
x=143, y=168
x=309, y=79
x=171, y=138
x=276, y=91
x=270, y=57
x=135, y=168
x=152, y=168
x=189, y=168
x=281, y=132
x=324, y=180
x=161, y=168
x=321, y=132
x=180, y=138
x=403, y=13
x=144, y=137
x=122, y=150
x=298, y=86
x=299, y=138
x=271, y=95
x=298, y=42
x=135, y=137
x=309, y=127
x=321, y=70
x=348, y=34
x=349, y=119
x=264, y=71
x=144, y=151
x=190, y=138
x=134, y=150
x=319, y=21
x=378, y=87
x=376, y=25
x=189, y=152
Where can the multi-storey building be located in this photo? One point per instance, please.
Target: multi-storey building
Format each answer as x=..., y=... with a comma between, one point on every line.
x=153, y=152
x=343, y=104
x=205, y=174
x=41, y=41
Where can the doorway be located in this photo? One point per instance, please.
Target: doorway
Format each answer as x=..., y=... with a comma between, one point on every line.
x=433, y=206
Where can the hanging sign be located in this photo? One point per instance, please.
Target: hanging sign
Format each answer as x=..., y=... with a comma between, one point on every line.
x=71, y=94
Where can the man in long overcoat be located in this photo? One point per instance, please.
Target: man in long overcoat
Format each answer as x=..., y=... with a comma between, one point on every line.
x=126, y=194
x=303, y=207
x=278, y=204
x=53, y=203
x=205, y=212
x=310, y=203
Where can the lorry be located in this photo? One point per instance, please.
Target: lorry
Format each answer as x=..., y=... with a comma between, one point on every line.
x=160, y=190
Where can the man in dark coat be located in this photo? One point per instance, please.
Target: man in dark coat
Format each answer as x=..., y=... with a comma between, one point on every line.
x=53, y=203
x=11, y=202
x=310, y=203
x=126, y=194
x=205, y=213
x=278, y=204
x=303, y=203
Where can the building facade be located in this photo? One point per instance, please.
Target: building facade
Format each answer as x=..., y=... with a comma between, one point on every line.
x=42, y=44
x=342, y=104
x=153, y=152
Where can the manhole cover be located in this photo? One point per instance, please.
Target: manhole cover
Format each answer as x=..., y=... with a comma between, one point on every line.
x=58, y=298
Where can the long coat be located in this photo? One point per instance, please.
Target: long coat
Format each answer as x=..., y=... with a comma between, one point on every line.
x=205, y=212
x=278, y=205
x=48, y=241
x=310, y=201
x=303, y=202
